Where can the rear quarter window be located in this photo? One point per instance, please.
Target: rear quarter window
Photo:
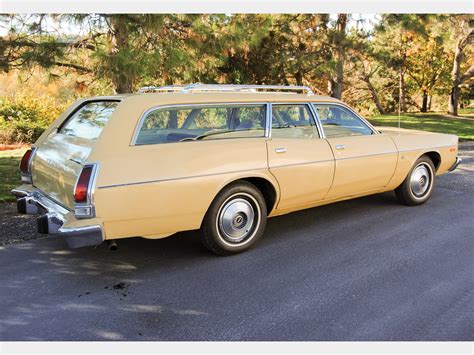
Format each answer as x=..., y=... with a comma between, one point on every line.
x=89, y=120
x=194, y=123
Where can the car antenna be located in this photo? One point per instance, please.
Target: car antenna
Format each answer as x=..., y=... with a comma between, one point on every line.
x=399, y=109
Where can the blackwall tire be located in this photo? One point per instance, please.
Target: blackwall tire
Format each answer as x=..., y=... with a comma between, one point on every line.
x=235, y=220
x=417, y=187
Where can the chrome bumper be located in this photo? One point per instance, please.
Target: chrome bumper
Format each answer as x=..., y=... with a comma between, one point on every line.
x=53, y=218
x=456, y=164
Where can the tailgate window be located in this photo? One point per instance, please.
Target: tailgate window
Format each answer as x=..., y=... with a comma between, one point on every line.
x=89, y=120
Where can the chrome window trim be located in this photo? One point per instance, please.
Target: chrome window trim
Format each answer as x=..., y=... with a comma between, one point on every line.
x=318, y=121
x=214, y=104
x=364, y=121
x=296, y=103
x=268, y=120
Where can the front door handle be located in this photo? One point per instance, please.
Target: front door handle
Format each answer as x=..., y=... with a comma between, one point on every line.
x=340, y=146
x=280, y=150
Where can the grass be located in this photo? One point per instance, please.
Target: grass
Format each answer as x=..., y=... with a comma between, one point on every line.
x=462, y=127
x=9, y=173
x=469, y=111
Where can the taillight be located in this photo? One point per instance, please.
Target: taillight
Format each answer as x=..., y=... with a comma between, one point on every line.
x=25, y=161
x=82, y=193
x=25, y=165
x=82, y=185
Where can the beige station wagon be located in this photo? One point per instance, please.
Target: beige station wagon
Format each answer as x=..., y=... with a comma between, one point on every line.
x=219, y=158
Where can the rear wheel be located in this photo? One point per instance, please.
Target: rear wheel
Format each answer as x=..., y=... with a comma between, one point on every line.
x=418, y=185
x=235, y=220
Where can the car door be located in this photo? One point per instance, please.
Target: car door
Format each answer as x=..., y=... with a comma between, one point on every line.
x=365, y=160
x=298, y=157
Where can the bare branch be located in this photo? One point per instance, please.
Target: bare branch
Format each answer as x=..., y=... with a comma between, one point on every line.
x=467, y=75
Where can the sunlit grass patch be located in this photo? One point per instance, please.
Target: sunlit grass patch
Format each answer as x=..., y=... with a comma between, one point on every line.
x=9, y=173
x=464, y=128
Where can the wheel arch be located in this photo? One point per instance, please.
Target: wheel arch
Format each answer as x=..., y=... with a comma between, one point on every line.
x=435, y=158
x=265, y=185
x=267, y=189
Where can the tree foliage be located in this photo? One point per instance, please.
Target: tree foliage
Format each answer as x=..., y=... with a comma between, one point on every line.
x=401, y=63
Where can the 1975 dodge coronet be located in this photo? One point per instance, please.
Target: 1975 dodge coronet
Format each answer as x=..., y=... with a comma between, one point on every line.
x=220, y=158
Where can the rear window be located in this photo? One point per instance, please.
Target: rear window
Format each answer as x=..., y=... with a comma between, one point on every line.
x=89, y=120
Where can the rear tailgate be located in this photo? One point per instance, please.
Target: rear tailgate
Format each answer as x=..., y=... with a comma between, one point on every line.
x=60, y=157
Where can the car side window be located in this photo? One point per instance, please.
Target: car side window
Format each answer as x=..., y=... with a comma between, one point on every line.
x=337, y=121
x=293, y=121
x=176, y=124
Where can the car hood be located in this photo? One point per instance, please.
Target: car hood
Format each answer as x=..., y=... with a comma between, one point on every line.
x=397, y=131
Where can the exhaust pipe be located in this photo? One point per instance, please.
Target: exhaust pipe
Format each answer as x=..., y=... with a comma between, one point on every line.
x=112, y=245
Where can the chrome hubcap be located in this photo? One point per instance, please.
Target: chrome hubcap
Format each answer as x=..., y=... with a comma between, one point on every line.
x=420, y=180
x=236, y=220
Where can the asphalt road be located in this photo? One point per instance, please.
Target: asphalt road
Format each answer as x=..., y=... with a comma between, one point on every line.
x=366, y=269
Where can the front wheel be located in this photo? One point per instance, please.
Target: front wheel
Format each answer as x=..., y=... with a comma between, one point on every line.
x=235, y=220
x=418, y=185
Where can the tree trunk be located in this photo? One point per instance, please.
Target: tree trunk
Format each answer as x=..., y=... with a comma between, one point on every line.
x=373, y=94
x=299, y=78
x=429, y=103
x=455, y=91
x=424, y=105
x=119, y=41
x=453, y=101
x=336, y=82
x=122, y=85
x=331, y=87
x=456, y=78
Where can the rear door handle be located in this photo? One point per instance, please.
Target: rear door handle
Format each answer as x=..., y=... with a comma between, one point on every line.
x=280, y=150
x=340, y=146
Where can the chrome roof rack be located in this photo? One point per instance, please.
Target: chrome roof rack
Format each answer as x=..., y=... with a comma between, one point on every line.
x=168, y=88
x=198, y=87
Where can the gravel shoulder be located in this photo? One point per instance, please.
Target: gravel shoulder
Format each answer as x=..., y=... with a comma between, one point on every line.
x=14, y=227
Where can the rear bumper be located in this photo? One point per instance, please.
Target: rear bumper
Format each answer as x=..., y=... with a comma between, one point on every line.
x=56, y=219
x=456, y=164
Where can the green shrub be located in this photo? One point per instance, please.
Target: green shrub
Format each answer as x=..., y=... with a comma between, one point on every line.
x=23, y=119
x=20, y=132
